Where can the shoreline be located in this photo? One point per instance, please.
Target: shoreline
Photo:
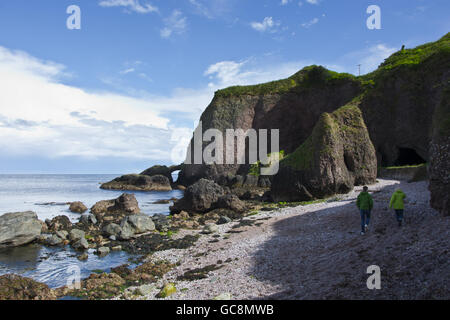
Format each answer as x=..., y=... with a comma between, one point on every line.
x=314, y=252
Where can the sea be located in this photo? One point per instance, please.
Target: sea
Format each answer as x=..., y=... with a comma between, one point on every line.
x=47, y=196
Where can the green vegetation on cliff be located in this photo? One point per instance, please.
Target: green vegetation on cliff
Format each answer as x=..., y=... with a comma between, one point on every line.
x=344, y=122
x=306, y=78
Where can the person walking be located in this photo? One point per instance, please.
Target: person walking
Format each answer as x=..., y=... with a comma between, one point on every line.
x=398, y=203
x=365, y=205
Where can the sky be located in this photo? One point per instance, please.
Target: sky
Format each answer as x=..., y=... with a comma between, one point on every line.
x=125, y=90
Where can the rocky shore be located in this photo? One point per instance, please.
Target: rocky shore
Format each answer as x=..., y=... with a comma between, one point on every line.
x=309, y=250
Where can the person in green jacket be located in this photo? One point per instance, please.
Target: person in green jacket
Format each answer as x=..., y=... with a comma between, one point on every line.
x=398, y=203
x=365, y=205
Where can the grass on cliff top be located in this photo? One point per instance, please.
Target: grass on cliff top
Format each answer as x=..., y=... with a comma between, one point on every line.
x=415, y=56
x=307, y=77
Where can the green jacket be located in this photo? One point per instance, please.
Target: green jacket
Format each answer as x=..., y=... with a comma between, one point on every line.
x=365, y=201
x=397, y=200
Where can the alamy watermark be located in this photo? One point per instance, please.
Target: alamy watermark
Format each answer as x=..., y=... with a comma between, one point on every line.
x=374, y=21
x=374, y=280
x=74, y=20
x=74, y=279
x=234, y=146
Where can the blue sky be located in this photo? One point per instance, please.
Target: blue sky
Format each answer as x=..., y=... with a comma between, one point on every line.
x=124, y=91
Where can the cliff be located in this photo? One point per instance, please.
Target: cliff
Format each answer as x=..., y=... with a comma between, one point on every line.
x=399, y=104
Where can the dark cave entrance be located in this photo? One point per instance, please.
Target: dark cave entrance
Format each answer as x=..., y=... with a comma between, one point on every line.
x=408, y=156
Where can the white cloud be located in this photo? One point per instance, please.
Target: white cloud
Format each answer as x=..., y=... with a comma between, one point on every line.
x=266, y=25
x=313, y=1
x=43, y=116
x=40, y=115
x=133, y=5
x=285, y=2
x=230, y=73
x=176, y=23
x=310, y=23
x=369, y=58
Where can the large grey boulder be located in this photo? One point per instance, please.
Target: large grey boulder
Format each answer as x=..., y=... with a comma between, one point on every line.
x=135, y=225
x=126, y=204
x=76, y=234
x=19, y=228
x=78, y=207
x=199, y=197
x=112, y=229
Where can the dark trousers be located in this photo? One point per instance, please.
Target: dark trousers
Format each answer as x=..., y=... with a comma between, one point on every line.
x=399, y=214
x=365, y=219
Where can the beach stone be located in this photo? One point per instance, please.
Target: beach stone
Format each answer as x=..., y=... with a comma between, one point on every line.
x=116, y=248
x=112, y=230
x=53, y=240
x=62, y=234
x=88, y=219
x=135, y=225
x=224, y=220
x=168, y=290
x=102, y=206
x=103, y=251
x=83, y=257
x=231, y=202
x=162, y=223
x=223, y=296
x=81, y=244
x=59, y=223
x=19, y=228
x=145, y=289
x=76, y=235
x=126, y=203
x=210, y=228
x=78, y=207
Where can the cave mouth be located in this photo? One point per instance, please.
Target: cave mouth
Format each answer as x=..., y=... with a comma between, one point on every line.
x=407, y=157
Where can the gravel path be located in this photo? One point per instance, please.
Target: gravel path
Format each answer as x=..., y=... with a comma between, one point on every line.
x=316, y=252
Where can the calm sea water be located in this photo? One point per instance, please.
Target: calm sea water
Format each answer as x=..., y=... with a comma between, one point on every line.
x=46, y=195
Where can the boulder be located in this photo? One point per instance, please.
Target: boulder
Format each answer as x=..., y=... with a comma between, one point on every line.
x=224, y=220
x=81, y=244
x=76, y=234
x=15, y=287
x=78, y=207
x=126, y=204
x=19, y=228
x=136, y=182
x=210, y=228
x=337, y=156
x=52, y=240
x=138, y=224
x=199, y=197
x=231, y=202
x=62, y=234
x=88, y=219
x=162, y=223
x=112, y=229
x=102, y=207
x=59, y=223
x=103, y=251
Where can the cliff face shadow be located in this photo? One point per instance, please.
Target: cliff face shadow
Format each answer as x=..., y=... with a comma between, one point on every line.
x=321, y=254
